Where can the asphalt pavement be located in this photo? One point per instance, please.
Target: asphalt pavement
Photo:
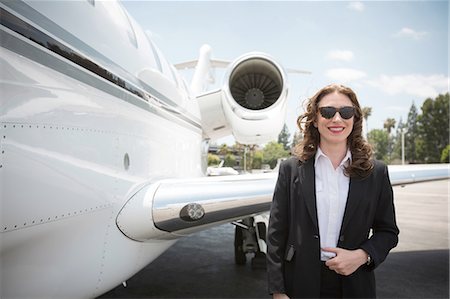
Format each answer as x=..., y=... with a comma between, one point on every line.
x=202, y=265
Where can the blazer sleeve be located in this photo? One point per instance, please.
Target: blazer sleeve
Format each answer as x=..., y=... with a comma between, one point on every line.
x=277, y=233
x=384, y=229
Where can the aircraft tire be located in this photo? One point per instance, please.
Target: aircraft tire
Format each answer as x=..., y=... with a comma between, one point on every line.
x=239, y=254
x=259, y=261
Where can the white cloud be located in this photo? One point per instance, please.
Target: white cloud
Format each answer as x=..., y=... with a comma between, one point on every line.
x=344, y=55
x=356, y=5
x=410, y=33
x=344, y=75
x=412, y=84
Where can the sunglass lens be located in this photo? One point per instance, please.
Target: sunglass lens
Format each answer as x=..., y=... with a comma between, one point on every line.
x=347, y=112
x=327, y=112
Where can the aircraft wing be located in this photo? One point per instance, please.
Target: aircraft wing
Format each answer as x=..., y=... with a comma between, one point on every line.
x=408, y=174
x=176, y=207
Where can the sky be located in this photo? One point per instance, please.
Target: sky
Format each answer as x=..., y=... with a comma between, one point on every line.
x=391, y=53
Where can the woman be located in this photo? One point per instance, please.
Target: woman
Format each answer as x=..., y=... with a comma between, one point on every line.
x=332, y=220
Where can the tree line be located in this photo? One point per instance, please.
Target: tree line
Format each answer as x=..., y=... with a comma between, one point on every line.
x=248, y=157
x=425, y=140
x=425, y=135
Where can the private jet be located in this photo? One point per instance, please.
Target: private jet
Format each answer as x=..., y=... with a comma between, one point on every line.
x=103, y=148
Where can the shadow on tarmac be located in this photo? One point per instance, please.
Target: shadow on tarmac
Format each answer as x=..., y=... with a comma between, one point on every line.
x=202, y=266
x=414, y=274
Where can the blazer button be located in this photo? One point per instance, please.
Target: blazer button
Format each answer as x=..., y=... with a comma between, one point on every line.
x=316, y=236
x=341, y=238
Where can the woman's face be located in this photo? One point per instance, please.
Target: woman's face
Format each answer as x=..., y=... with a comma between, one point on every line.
x=335, y=130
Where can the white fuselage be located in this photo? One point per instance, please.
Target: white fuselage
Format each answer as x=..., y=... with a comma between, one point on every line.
x=75, y=147
x=101, y=145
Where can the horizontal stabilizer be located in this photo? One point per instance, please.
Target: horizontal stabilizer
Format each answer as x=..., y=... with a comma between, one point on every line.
x=215, y=63
x=186, y=64
x=295, y=71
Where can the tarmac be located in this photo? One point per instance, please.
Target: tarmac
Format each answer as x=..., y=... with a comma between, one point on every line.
x=202, y=265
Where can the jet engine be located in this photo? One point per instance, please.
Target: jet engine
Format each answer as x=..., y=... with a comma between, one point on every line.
x=252, y=103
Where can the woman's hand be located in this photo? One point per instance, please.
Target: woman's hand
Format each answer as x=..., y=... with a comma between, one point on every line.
x=280, y=296
x=346, y=261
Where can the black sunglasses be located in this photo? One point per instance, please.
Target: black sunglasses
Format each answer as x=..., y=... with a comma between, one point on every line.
x=346, y=112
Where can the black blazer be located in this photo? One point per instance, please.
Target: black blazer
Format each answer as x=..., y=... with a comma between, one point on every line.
x=293, y=242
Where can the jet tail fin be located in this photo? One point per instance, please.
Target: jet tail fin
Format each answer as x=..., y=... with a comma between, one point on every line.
x=204, y=66
x=203, y=75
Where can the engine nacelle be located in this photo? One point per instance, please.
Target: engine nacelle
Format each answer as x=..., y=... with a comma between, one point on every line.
x=252, y=103
x=254, y=98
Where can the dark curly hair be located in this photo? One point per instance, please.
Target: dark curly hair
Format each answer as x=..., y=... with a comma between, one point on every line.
x=362, y=163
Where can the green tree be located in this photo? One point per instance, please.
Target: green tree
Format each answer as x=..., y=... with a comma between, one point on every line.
x=445, y=157
x=257, y=160
x=389, y=124
x=230, y=160
x=433, y=128
x=298, y=137
x=367, y=111
x=213, y=159
x=223, y=149
x=248, y=154
x=272, y=152
x=283, y=137
x=412, y=135
x=379, y=139
x=397, y=149
x=237, y=149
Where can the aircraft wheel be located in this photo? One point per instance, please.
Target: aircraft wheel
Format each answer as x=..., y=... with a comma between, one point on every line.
x=239, y=254
x=259, y=261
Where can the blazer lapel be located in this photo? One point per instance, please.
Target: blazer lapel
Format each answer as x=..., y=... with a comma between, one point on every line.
x=356, y=189
x=307, y=188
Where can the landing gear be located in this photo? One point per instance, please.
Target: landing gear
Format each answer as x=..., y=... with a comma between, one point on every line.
x=239, y=254
x=250, y=237
x=259, y=261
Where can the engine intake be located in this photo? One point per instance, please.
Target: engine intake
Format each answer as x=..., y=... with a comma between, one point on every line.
x=251, y=105
x=256, y=84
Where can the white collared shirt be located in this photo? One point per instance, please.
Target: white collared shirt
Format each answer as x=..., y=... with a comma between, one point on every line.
x=331, y=197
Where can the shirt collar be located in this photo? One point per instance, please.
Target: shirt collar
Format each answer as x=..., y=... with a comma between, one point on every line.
x=347, y=158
